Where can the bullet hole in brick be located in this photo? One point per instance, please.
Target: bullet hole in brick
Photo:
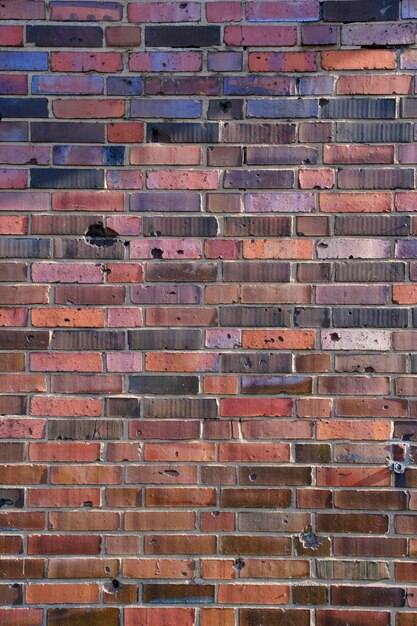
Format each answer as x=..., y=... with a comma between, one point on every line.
x=126, y=243
x=172, y=293
x=369, y=369
x=335, y=337
x=6, y=502
x=30, y=337
x=105, y=270
x=107, y=570
x=180, y=252
x=30, y=431
x=225, y=105
x=239, y=564
x=310, y=540
x=323, y=102
x=215, y=513
x=115, y=583
x=171, y=473
x=385, y=406
x=153, y=542
x=253, y=477
x=33, y=161
x=322, y=244
x=184, y=574
x=155, y=233
x=157, y=253
x=183, y=5
x=350, y=256
x=66, y=319
x=138, y=433
x=14, y=586
x=100, y=236
x=280, y=338
x=88, y=503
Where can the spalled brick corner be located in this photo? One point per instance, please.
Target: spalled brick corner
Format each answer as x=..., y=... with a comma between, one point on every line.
x=208, y=312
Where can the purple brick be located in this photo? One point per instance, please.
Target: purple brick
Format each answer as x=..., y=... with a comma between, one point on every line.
x=171, y=109
x=224, y=61
x=14, y=131
x=258, y=179
x=165, y=62
x=318, y=34
x=388, y=34
x=409, y=10
x=283, y=11
x=280, y=155
x=259, y=86
x=316, y=85
x=406, y=249
x=407, y=154
x=80, y=85
x=180, y=201
x=182, y=85
x=280, y=202
x=282, y=108
x=23, y=60
x=124, y=86
x=11, y=84
x=225, y=338
x=166, y=294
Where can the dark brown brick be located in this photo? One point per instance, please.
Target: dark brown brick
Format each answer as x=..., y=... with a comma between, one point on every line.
x=256, y=271
x=67, y=132
x=257, y=475
x=380, y=225
x=180, y=408
x=89, y=616
x=85, y=429
x=368, y=596
x=164, y=385
x=314, y=272
x=122, y=407
x=254, y=316
x=309, y=317
x=88, y=340
x=312, y=453
x=24, y=339
x=369, y=272
x=274, y=617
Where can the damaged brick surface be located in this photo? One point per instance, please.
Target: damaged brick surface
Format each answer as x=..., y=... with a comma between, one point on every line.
x=208, y=312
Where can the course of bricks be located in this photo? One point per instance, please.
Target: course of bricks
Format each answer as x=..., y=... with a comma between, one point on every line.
x=208, y=311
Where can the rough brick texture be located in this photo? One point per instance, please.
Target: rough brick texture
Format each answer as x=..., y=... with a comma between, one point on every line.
x=208, y=313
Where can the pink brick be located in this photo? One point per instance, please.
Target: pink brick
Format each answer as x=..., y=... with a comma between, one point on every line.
x=126, y=317
x=164, y=12
x=353, y=248
x=13, y=179
x=21, y=155
x=125, y=224
x=66, y=362
x=166, y=155
x=124, y=362
x=13, y=317
x=224, y=338
x=67, y=273
x=296, y=10
x=317, y=179
x=13, y=225
x=11, y=35
x=223, y=11
x=165, y=62
x=280, y=202
x=260, y=35
x=222, y=249
x=346, y=339
x=86, y=62
x=165, y=249
x=181, y=179
x=352, y=294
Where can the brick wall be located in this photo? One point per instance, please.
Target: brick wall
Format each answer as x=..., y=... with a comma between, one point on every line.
x=207, y=308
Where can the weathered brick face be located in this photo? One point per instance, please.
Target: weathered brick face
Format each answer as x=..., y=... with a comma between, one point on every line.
x=208, y=312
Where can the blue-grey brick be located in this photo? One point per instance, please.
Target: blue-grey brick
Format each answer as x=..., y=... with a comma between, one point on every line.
x=55, y=178
x=124, y=86
x=358, y=108
x=165, y=108
x=283, y=108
